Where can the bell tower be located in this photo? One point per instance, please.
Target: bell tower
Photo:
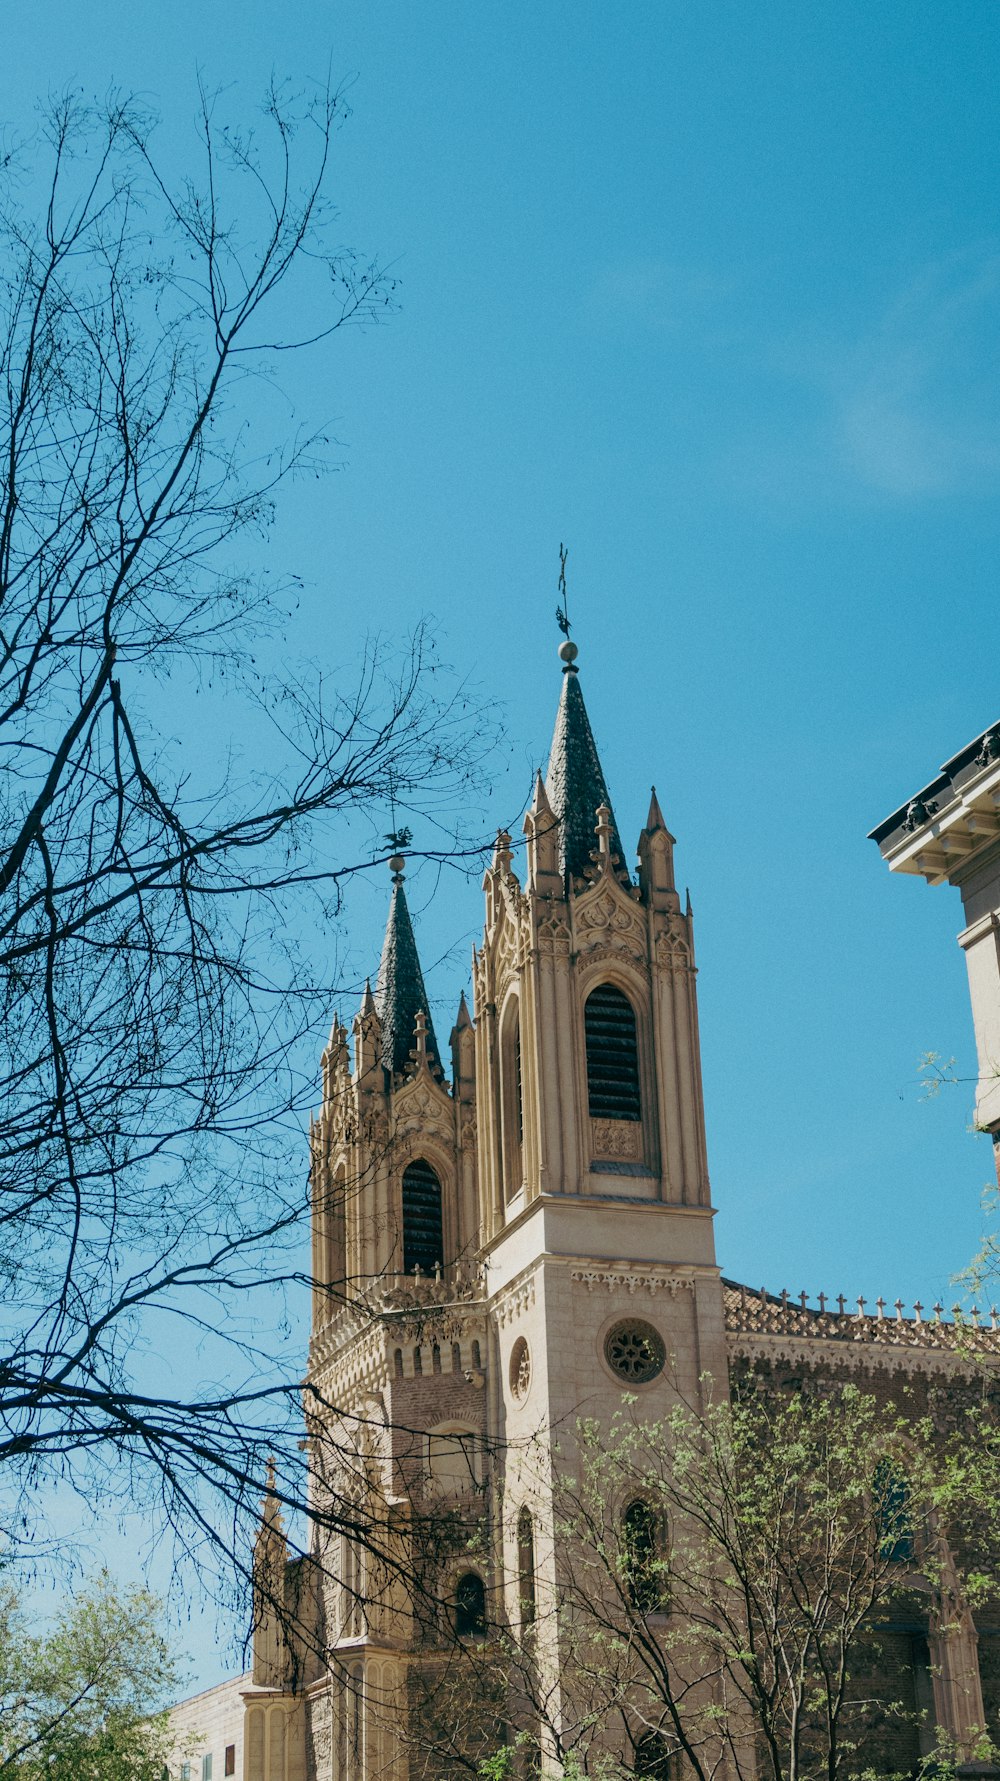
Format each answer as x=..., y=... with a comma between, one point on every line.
x=493, y=1258
x=588, y=1079
x=594, y=1200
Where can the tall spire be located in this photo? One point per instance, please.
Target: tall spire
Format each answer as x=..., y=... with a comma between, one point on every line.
x=400, y=992
x=575, y=782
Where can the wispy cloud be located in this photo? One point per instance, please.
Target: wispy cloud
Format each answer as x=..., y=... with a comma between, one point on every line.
x=656, y=293
x=907, y=407
x=915, y=404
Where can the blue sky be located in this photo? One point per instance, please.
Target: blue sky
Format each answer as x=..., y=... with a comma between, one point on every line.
x=711, y=293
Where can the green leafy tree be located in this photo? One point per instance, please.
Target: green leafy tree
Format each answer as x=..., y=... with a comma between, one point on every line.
x=724, y=1580
x=84, y=1701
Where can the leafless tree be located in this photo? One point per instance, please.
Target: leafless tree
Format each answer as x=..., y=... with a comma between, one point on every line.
x=159, y=1007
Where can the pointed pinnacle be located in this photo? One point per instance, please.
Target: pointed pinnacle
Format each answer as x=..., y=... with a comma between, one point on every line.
x=463, y=1019
x=368, y=1005
x=655, y=818
x=540, y=805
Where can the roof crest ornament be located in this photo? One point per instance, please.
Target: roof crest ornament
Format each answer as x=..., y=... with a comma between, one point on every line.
x=568, y=651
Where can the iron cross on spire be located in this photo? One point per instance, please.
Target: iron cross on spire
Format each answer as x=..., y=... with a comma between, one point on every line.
x=562, y=619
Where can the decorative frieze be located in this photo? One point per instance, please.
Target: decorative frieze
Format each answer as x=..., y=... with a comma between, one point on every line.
x=631, y=1280
x=616, y=1138
x=514, y=1302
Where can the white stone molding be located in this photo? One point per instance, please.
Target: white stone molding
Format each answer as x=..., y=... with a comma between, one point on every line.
x=514, y=1301
x=630, y=1280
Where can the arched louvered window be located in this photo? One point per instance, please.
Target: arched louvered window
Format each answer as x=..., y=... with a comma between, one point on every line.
x=526, y=1568
x=423, y=1241
x=612, y=1055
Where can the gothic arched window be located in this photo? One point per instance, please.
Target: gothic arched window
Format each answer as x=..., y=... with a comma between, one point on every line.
x=526, y=1568
x=640, y=1553
x=470, y=1606
x=654, y=1759
x=612, y=1054
x=423, y=1240
x=893, y=1507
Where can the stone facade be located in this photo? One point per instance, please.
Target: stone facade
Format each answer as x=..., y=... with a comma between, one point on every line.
x=490, y=1258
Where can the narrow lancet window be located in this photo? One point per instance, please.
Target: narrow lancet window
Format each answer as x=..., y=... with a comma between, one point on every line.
x=612, y=1055
x=423, y=1239
x=526, y=1568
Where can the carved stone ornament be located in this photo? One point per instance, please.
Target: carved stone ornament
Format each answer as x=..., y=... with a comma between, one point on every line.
x=616, y=1138
x=611, y=1280
x=635, y=1351
x=520, y=1369
x=618, y=949
x=515, y=1302
x=553, y=934
x=673, y=952
x=606, y=911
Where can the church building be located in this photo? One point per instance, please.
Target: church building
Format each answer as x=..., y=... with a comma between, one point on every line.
x=509, y=1232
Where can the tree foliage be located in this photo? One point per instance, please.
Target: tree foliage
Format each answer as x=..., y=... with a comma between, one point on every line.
x=735, y=1626
x=85, y=1700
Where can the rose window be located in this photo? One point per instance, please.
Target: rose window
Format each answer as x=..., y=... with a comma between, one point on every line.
x=635, y=1351
x=520, y=1368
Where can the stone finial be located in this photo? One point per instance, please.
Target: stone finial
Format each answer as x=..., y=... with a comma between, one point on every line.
x=656, y=860
x=367, y=1033
x=541, y=828
x=418, y=1050
x=501, y=852
x=602, y=829
x=654, y=821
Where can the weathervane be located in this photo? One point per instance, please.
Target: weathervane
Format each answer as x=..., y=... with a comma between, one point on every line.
x=562, y=619
x=568, y=651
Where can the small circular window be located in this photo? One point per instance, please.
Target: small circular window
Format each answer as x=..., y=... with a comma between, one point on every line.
x=520, y=1368
x=635, y=1351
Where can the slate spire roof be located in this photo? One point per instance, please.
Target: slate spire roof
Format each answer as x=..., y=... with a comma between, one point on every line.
x=399, y=991
x=575, y=782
